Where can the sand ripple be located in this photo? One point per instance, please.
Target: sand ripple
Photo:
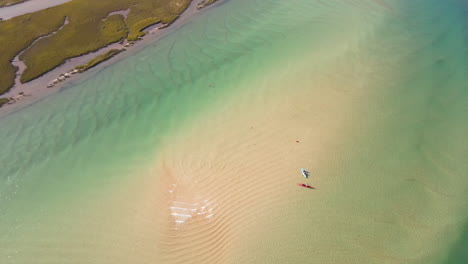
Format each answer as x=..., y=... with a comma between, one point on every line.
x=187, y=153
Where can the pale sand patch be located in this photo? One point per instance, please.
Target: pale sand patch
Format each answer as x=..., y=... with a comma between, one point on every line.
x=228, y=181
x=224, y=176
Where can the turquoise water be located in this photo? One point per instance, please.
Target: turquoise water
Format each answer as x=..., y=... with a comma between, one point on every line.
x=69, y=161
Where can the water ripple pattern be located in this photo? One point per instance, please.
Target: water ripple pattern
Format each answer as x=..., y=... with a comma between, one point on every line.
x=189, y=151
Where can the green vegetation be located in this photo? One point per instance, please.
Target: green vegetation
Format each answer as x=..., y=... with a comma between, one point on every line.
x=3, y=101
x=98, y=59
x=89, y=28
x=204, y=3
x=68, y=42
x=135, y=29
x=30, y=27
x=4, y=3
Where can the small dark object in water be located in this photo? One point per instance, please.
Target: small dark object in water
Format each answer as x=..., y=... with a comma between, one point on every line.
x=306, y=185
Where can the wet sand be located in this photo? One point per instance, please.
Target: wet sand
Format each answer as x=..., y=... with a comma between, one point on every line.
x=225, y=185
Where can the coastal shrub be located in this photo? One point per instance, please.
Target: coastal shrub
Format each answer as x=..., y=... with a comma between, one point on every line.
x=3, y=101
x=205, y=3
x=31, y=27
x=147, y=13
x=135, y=30
x=52, y=51
x=98, y=59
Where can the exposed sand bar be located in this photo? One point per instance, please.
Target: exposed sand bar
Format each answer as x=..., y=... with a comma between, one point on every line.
x=28, y=7
x=227, y=181
x=230, y=178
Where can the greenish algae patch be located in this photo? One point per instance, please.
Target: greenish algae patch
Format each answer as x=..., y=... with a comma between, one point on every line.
x=98, y=59
x=89, y=28
x=4, y=3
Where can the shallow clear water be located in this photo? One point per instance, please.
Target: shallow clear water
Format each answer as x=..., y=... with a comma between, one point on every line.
x=383, y=85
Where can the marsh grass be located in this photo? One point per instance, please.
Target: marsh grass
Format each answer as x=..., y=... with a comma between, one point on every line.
x=3, y=101
x=135, y=29
x=53, y=51
x=98, y=59
x=89, y=28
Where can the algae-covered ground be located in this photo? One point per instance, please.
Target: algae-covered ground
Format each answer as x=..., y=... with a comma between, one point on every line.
x=4, y=3
x=83, y=26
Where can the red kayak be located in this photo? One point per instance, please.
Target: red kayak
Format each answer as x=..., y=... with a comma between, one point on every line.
x=305, y=185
